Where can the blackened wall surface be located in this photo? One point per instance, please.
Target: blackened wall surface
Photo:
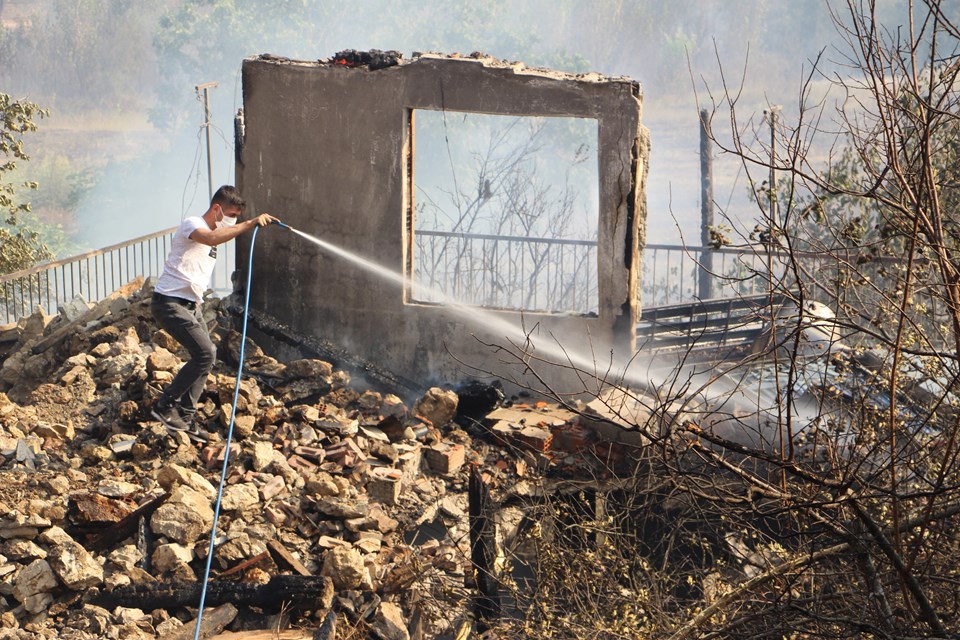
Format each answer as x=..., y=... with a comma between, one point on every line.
x=327, y=148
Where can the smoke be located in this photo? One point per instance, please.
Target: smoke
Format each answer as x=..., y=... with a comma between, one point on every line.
x=133, y=66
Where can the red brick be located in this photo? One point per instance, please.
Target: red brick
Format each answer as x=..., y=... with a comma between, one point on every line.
x=535, y=438
x=302, y=465
x=384, y=489
x=571, y=438
x=313, y=453
x=272, y=488
x=445, y=458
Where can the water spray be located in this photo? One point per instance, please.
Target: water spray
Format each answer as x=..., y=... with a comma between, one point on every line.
x=471, y=314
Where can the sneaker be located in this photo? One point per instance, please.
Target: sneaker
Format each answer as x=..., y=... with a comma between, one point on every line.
x=198, y=435
x=170, y=417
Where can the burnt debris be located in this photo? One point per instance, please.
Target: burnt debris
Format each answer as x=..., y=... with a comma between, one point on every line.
x=373, y=59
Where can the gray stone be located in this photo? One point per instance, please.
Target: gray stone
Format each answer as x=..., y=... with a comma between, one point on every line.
x=22, y=551
x=389, y=623
x=168, y=627
x=453, y=506
x=167, y=557
x=125, y=557
x=238, y=497
x=308, y=435
x=118, y=489
x=322, y=484
x=345, y=567
x=72, y=310
x=33, y=325
x=127, y=344
x=17, y=525
x=243, y=426
x=54, y=536
x=173, y=476
x=184, y=517
x=238, y=548
x=308, y=368
x=37, y=577
x=25, y=454
x=123, y=615
x=262, y=455
x=162, y=360
x=38, y=603
x=342, y=508
x=56, y=430
x=337, y=421
x=75, y=566
x=437, y=406
x=119, y=368
x=392, y=406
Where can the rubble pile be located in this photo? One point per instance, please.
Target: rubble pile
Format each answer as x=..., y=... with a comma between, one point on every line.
x=342, y=505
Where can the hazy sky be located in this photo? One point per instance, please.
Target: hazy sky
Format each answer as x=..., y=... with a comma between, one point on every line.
x=152, y=177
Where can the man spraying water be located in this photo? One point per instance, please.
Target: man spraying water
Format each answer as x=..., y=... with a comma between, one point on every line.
x=177, y=298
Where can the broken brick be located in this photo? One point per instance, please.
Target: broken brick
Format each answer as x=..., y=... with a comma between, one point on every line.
x=445, y=458
x=302, y=465
x=571, y=438
x=385, y=489
x=535, y=438
x=314, y=453
x=272, y=488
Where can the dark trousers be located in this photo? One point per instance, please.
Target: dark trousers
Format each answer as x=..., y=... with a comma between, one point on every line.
x=184, y=321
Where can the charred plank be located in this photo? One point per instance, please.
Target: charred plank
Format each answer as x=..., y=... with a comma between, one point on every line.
x=280, y=591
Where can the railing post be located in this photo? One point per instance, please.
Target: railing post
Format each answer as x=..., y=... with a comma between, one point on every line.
x=706, y=208
x=205, y=87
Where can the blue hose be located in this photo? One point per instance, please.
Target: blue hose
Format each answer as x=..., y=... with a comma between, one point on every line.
x=226, y=452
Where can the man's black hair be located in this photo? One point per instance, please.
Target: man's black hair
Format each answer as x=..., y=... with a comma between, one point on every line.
x=228, y=196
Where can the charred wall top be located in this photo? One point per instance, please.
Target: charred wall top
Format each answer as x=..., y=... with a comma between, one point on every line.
x=326, y=148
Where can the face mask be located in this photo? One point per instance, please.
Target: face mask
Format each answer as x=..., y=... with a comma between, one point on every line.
x=225, y=221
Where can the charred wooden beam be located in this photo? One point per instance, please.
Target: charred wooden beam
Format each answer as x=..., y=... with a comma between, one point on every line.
x=128, y=525
x=280, y=591
x=483, y=551
x=246, y=564
x=327, y=630
x=285, y=559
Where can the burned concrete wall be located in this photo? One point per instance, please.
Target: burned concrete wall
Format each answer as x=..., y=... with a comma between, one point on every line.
x=328, y=148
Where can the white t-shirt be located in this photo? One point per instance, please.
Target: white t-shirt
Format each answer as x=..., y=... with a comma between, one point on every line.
x=188, y=268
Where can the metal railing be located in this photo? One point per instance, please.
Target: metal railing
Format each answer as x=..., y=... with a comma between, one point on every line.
x=674, y=274
x=551, y=275
x=512, y=272
x=859, y=287
x=560, y=275
x=96, y=274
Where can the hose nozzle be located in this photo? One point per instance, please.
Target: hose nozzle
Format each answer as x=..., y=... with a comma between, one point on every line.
x=285, y=226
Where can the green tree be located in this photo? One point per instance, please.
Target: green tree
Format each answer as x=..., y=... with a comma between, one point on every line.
x=92, y=54
x=205, y=40
x=21, y=248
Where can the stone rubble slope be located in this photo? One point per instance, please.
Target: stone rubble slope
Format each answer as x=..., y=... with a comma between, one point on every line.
x=326, y=479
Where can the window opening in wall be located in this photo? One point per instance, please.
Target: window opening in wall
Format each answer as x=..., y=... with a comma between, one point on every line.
x=505, y=211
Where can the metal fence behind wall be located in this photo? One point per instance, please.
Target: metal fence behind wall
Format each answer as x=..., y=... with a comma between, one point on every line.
x=506, y=272
x=96, y=274
x=671, y=273
x=856, y=286
x=532, y=274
